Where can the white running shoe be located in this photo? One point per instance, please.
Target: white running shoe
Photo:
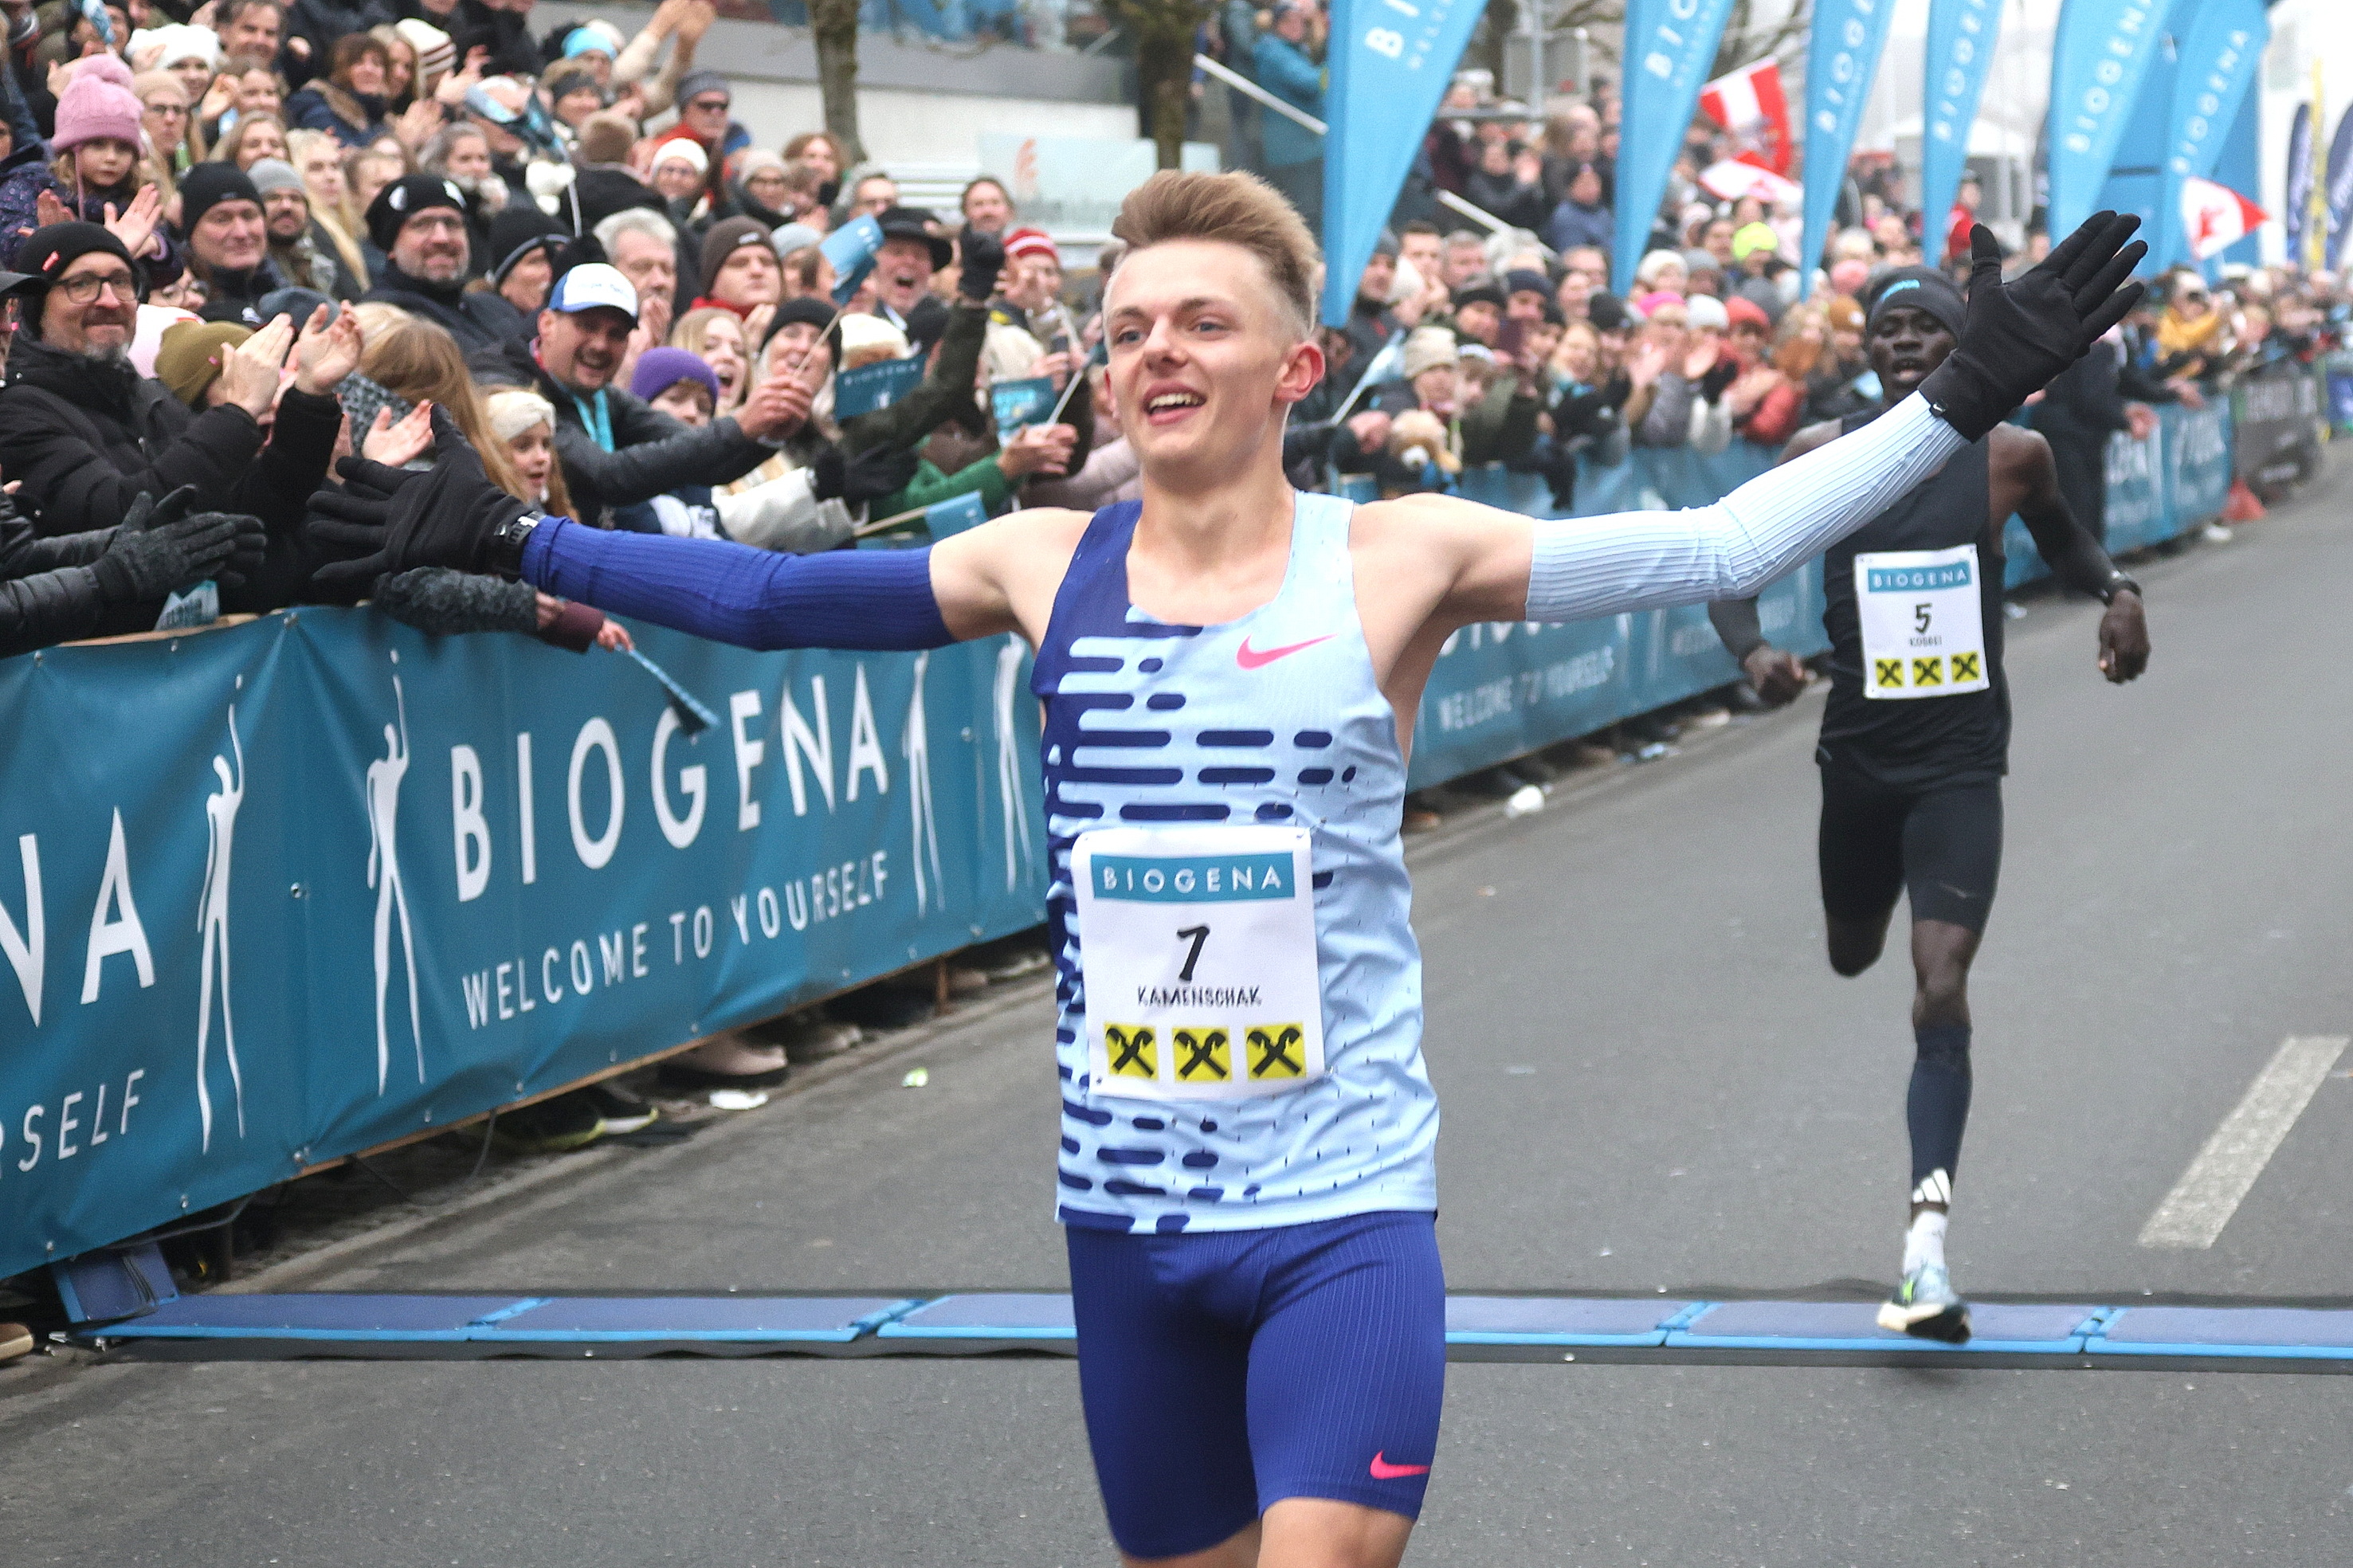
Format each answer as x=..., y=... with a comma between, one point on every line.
x=1927, y=1307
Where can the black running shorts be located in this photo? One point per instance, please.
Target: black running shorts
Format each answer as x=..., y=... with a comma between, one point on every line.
x=1942, y=844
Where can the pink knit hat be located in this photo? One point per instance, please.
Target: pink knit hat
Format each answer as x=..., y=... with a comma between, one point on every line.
x=97, y=102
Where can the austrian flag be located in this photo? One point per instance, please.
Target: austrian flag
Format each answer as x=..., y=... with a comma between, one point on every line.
x=1749, y=102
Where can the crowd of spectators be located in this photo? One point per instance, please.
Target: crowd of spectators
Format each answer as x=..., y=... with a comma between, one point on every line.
x=240, y=241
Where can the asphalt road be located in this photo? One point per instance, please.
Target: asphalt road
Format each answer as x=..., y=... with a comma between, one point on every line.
x=1650, y=1079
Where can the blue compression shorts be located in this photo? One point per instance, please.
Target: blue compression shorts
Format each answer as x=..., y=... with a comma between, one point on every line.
x=1224, y=1371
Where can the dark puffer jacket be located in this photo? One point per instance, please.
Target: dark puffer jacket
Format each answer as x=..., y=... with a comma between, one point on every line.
x=47, y=591
x=87, y=437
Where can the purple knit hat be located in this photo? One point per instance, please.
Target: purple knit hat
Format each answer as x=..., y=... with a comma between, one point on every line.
x=659, y=370
x=97, y=102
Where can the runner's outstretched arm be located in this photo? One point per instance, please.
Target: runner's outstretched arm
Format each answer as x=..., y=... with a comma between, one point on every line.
x=2018, y=337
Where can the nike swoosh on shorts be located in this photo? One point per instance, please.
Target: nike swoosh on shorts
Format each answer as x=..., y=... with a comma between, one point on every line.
x=1385, y=1471
x=1249, y=657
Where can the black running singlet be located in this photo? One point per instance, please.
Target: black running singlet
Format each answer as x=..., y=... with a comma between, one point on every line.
x=1926, y=740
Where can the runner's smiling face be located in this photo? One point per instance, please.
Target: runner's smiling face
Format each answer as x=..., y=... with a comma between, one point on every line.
x=1204, y=359
x=1904, y=344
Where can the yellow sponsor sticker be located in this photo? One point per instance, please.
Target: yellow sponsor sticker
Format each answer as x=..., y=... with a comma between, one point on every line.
x=1275, y=1051
x=1203, y=1055
x=1133, y=1050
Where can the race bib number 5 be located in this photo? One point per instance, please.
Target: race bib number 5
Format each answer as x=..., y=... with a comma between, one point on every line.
x=1197, y=946
x=1923, y=623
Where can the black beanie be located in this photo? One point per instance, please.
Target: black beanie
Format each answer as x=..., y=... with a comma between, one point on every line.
x=207, y=184
x=515, y=232
x=403, y=199
x=1919, y=289
x=809, y=310
x=46, y=253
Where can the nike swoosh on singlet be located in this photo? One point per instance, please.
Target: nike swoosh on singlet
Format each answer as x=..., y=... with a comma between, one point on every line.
x=1385, y=1471
x=1249, y=657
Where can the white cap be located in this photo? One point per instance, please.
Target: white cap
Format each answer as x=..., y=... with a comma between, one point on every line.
x=593, y=286
x=1707, y=310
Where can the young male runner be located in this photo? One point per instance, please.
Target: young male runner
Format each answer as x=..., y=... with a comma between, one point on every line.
x=1915, y=736
x=1231, y=672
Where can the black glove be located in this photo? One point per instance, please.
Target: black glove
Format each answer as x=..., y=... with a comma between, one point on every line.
x=160, y=547
x=872, y=474
x=984, y=254
x=2019, y=335
x=445, y=516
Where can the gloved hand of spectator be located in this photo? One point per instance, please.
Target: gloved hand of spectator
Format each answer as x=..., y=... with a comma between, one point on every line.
x=161, y=547
x=870, y=475
x=444, y=516
x=984, y=255
x=2019, y=335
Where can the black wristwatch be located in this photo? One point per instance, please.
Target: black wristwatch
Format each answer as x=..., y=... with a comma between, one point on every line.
x=2119, y=582
x=502, y=552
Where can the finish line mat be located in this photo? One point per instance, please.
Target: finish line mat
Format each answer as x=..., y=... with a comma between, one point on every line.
x=1479, y=1328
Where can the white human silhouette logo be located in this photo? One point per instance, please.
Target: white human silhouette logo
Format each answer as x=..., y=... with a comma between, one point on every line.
x=1009, y=766
x=919, y=793
x=383, y=777
x=212, y=929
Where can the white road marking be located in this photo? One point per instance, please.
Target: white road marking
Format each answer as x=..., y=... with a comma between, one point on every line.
x=2210, y=1192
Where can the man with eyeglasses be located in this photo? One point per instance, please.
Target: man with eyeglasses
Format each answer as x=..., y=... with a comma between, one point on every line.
x=419, y=223
x=703, y=101
x=83, y=430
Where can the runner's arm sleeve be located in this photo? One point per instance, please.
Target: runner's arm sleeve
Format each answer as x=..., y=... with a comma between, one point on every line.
x=1589, y=566
x=862, y=599
x=1736, y=624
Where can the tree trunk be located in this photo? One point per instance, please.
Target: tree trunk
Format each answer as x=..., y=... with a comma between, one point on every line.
x=1164, y=65
x=833, y=26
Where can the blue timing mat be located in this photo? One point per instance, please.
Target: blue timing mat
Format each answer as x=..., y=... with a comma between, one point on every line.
x=1478, y=1327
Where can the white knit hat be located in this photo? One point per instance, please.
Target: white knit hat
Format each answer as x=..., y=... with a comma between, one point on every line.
x=514, y=411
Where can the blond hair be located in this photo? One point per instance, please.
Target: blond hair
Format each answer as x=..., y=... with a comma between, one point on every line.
x=420, y=361
x=1231, y=209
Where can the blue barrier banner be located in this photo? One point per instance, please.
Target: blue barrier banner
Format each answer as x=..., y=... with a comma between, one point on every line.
x=1842, y=55
x=2102, y=50
x=460, y=871
x=1670, y=50
x=2214, y=65
x=1388, y=65
x=1961, y=35
x=426, y=877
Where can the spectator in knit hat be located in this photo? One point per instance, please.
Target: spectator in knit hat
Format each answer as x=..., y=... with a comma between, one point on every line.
x=681, y=173
x=704, y=98
x=228, y=244
x=96, y=165
x=299, y=248
x=524, y=243
x=419, y=223
x=86, y=435
x=740, y=270
x=679, y=384
x=1030, y=332
x=189, y=358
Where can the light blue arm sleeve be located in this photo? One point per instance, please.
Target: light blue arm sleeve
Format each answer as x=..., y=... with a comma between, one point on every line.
x=1588, y=566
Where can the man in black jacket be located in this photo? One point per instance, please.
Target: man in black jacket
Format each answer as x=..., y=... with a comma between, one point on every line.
x=617, y=452
x=228, y=240
x=419, y=222
x=87, y=436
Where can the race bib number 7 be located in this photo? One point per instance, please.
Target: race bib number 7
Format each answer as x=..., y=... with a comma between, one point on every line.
x=1923, y=623
x=1197, y=946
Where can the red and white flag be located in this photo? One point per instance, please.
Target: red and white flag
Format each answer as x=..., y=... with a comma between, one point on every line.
x=1749, y=102
x=2215, y=218
x=1736, y=177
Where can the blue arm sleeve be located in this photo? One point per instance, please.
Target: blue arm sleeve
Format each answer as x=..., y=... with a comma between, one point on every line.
x=731, y=592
